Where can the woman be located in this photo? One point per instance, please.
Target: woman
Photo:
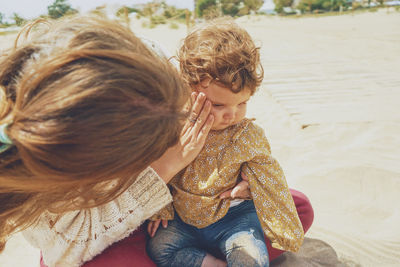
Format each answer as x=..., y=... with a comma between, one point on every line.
x=86, y=107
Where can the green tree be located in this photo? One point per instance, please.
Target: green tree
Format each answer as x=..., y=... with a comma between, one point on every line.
x=326, y=5
x=230, y=7
x=227, y=7
x=240, y=7
x=253, y=5
x=205, y=6
x=173, y=12
x=125, y=9
x=170, y=11
x=60, y=8
x=18, y=20
x=1, y=18
x=150, y=8
x=280, y=4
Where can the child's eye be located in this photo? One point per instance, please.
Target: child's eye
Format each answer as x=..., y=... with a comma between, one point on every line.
x=218, y=105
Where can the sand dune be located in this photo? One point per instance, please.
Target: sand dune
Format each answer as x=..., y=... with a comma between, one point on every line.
x=330, y=107
x=338, y=78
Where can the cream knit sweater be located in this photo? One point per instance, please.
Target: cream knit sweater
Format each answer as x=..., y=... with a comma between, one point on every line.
x=80, y=235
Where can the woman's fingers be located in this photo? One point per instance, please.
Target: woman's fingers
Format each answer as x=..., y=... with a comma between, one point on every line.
x=202, y=117
x=149, y=225
x=188, y=123
x=200, y=121
x=155, y=227
x=205, y=129
x=152, y=227
x=197, y=107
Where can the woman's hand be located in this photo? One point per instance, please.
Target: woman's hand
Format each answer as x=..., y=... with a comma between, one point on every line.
x=191, y=141
x=152, y=226
x=241, y=190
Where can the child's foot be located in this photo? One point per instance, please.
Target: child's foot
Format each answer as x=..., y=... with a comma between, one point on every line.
x=211, y=261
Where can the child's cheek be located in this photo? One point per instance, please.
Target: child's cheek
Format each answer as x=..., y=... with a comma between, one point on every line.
x=217, y=115
x=244, y=111
x=214, y=111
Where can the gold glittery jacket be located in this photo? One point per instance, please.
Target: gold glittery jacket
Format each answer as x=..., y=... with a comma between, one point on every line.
x=241, y=147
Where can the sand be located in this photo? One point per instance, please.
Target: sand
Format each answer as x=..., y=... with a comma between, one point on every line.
x=330, y=107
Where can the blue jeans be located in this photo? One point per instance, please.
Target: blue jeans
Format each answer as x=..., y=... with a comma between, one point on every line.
x=238, y=236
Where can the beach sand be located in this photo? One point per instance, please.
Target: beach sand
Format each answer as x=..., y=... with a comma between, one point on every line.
x=329, y=105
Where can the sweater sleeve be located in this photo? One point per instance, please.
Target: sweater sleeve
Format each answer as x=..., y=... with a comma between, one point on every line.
x=166, y=213
x=78, y=236
x=272, y=199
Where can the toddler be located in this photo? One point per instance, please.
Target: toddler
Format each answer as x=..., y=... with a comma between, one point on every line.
x=220, y=60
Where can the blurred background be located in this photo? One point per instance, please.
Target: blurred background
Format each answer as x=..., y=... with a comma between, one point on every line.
x=329, y=103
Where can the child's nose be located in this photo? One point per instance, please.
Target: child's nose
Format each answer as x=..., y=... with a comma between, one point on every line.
x=229, y=114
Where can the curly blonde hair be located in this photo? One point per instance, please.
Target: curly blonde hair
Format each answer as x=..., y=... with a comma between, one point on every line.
x=224, y=52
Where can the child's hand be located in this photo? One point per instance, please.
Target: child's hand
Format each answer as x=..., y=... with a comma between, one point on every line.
x=153, y=226
x=241, y=190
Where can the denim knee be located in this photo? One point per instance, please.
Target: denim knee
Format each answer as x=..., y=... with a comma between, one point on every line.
x=169, y=255
x=173, y=246
x=158, y=252
x=244, y=249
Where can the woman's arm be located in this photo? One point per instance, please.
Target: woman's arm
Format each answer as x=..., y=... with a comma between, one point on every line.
x=77, y=236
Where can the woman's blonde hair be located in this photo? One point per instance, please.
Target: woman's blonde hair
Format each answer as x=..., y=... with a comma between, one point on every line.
x=224, y=52
x=89, y=107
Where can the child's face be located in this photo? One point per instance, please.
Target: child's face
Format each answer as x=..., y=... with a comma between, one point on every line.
x=228, y=108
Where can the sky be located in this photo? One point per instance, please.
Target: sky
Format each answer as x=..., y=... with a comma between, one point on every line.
x=30, y=9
